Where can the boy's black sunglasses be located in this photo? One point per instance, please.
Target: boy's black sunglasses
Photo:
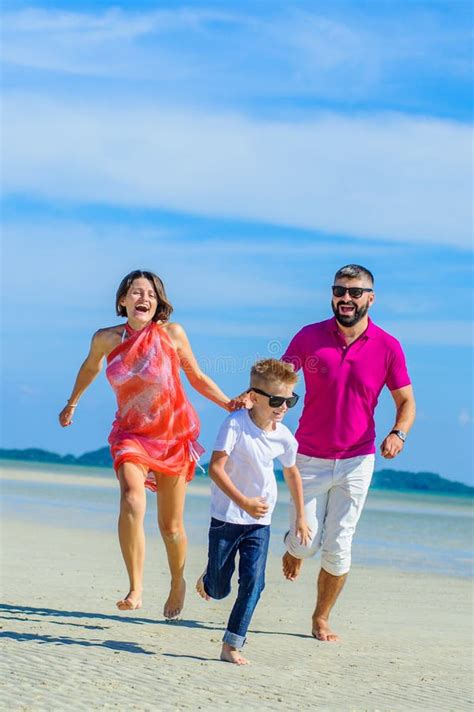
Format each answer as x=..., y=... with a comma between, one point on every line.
x=277, y=401
x=354, y=292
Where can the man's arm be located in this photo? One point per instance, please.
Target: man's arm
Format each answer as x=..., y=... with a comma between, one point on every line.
x=405, y=417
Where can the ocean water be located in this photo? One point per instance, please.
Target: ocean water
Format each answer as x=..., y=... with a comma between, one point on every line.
x=409, y=531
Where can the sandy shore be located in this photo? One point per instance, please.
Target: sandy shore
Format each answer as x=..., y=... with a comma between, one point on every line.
x=405, y=638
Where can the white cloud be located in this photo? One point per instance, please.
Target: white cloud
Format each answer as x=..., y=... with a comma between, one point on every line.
x=388, y=176
x=464, y=417
x=295, y=51
x=76, y=266
x=103, y=44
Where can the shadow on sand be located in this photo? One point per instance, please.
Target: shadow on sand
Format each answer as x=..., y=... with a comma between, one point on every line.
x=32, y=613
x=116, y=645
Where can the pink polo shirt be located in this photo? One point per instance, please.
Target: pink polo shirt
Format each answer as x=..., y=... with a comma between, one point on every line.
x=343, y=384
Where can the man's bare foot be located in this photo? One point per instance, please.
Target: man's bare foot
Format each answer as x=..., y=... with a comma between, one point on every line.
x=131, y=602
x=200, y=587
x=175, y=601
x=229, y=654
x=322, y=631
x=291, y=566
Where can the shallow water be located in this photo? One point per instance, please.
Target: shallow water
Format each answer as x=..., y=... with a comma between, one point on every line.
x=407, y=531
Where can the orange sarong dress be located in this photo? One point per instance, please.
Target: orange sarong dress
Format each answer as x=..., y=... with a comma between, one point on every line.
x=155, y=424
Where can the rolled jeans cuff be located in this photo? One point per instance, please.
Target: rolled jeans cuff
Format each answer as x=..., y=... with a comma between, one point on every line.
x=236, y=641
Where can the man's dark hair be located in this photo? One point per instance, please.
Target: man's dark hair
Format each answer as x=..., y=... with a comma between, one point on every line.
x=354, y=272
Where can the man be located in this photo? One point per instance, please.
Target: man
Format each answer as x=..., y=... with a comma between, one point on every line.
x=346, y=361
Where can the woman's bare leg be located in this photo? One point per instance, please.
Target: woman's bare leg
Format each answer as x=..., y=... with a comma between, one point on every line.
x=131, y=532
x=171, y=494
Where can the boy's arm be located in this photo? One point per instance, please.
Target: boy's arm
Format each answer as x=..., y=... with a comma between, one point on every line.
x=255, y=506
x=293, y=481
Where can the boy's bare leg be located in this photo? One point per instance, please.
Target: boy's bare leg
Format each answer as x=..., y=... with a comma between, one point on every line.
x=171, y=492
x=291, y=566
x=200, y=587
x=131, y=533
x=229, y=654
x=329, y=588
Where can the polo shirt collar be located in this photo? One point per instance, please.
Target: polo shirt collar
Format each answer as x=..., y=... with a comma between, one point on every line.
x=369, y=333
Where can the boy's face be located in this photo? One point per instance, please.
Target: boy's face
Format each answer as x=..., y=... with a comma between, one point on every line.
x=261, y=404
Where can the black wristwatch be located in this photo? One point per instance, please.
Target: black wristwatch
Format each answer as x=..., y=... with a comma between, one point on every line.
x=400, y=433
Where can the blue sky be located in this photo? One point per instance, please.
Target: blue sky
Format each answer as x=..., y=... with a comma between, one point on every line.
x=243, y=151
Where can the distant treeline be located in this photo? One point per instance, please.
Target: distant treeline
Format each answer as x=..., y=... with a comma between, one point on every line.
x=383, y=479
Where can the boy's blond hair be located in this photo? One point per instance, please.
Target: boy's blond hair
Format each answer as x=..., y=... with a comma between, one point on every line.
x=269, y=370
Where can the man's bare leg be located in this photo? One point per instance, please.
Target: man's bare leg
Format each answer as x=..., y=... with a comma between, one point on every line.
x=291, y=566
x=130, y=530
x=329, y=588
x=171, y=494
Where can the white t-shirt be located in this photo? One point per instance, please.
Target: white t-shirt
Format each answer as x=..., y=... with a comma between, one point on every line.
x=251, y=453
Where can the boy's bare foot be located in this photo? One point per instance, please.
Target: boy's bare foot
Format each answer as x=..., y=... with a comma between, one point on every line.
x=131, y=602
x=175, y=601
x=291, y=566
x=200, y=587
x=229, y=654
x=322, y=631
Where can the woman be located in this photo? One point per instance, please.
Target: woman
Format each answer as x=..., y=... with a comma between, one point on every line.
x=154, y=435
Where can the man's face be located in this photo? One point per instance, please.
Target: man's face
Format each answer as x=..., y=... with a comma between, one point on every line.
x=347, y=309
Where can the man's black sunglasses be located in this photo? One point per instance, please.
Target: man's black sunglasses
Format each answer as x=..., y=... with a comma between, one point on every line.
x=277, y=401
x=354, y=292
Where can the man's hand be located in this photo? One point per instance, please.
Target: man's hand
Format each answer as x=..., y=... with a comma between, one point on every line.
x=391, y=446
x=302, y=531
x=256, y=507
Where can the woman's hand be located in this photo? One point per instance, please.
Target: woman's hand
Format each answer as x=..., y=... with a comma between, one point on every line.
x=303, y=532
x=241, y=401
x=65, y=416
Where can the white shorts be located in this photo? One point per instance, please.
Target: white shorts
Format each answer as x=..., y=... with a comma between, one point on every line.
x=334, y=494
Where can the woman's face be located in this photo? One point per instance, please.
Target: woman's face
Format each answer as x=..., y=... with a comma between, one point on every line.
x=140, y=301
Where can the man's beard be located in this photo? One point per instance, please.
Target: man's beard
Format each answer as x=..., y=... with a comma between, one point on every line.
x=350, y=319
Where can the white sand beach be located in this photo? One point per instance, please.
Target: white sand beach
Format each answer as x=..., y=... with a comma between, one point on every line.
x=405, y=638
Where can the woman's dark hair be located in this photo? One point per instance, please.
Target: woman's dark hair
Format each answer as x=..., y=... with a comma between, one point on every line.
x=164, y=308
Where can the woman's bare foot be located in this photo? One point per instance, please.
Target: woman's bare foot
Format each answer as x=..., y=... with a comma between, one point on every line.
x=131, y=602
x=322, y=631
x=229, y=654
x=291, y=566
x=175, y=601
x=200, y=587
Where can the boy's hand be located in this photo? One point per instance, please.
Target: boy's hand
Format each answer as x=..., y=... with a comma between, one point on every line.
x=303, y=532
x=256, y=507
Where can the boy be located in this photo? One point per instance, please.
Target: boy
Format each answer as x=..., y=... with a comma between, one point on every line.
x=244, y=494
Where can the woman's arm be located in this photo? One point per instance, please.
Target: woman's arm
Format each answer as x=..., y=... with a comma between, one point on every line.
x=198, y=380
x=87, y=373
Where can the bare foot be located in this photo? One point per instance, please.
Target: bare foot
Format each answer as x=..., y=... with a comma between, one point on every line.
x=322, y=631
x=175, y=602
x=291, y=566
x=131, y=602
x=229, y=654
x=200, y=587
